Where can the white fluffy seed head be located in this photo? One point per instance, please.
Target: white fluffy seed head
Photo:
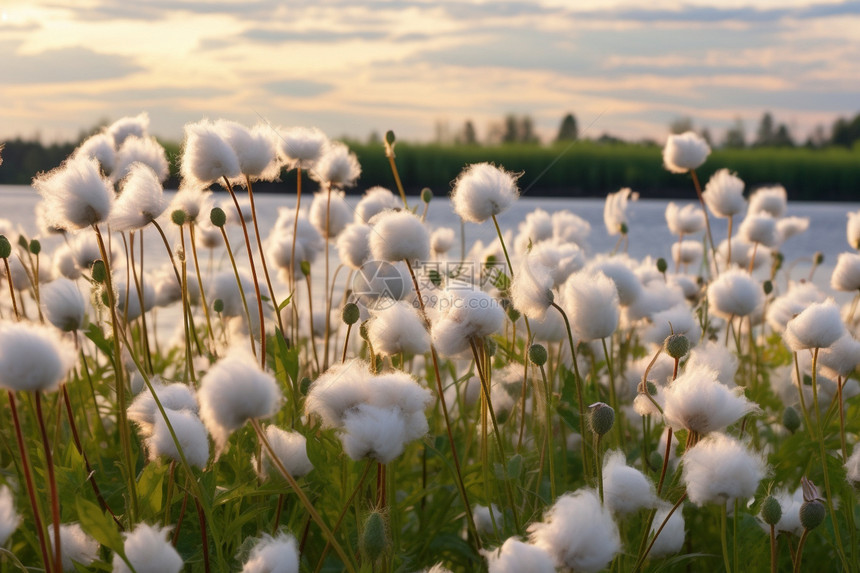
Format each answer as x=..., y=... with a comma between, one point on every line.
x=484, y=516
x=398, y=328
x=734, y=293
x=193, y=200
x=719, y=469
x=33, y=358
x=560, y=259
x=531, y=289
x=626, y=489
x=292, y=451
x=759, y=228
x=724, y=194
x=853, y=230
x=76, y=546
x=399, y=235
x=148, y=551
x=141, y=200
x=591, y=302
x=206, y=155
x=129, y=126
x=620, y=270
x=578, y=532
x=685, y=220
x=817, y=326
x=696, y=401
x=374, y=201
x=190, y=433
x=301, y=146
x=373, y=432
x=615, y=210
x=329, y=213
x=784, y=307
x=840, y=358
x=684, y=152
x=353, y=245
x=336, y=390
x=672, y=536
x=846, y=273
x=788, y=227
x=101, y=148
x=233, y=391
x=279, y=554
x=9, y=518
x=338, y=166
x=442, y=240
x=64, y=304
x=687, y=253
x=144, y=411
x=716, y=357
x=465, y=315
x=482, y=191
x=254, y=149
x=76, y=194
x=145, y=150
x=515, y=556
x=770, y=200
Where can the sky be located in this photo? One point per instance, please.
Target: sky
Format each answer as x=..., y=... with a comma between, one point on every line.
x=350, y=67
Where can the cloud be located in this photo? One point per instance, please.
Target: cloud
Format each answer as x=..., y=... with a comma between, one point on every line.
x=278, y=36
x=75, y=64
x=298, y=88
x=717, y=14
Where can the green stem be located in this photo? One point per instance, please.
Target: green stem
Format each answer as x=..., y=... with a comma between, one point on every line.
x=723, y=539
x=241, y=289
x=52, y=483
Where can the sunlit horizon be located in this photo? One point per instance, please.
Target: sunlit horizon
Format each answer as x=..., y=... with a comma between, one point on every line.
x=421, y=67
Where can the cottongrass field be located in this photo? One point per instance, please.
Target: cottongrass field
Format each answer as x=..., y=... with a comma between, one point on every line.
x=353, y=390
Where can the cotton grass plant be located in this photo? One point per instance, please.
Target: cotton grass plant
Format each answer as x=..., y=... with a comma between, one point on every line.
x=344, y=393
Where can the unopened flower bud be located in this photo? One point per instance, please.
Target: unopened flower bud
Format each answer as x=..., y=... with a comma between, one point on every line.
x=771, y=511
x=767, y=286
x=623, y=228
x=791, y=419
x=513, y=314
x=602, y=418
x=218, y=217
x=374, y=539
x=362, y=331
x=5, y=247
x=178, y=217
x=818, y=257
x=35, y=247
x=537, y=354
x=677, y=346
x=812, y=513
x=99, y=272
x=662, y=265
x=651, y=388
x=350, y=313
x=491, y=347
x=218, y=305
x=426, y=195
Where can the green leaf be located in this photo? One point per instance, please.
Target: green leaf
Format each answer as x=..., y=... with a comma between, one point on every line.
x=285, y=302
x=150, y=492
x=95, y=334
x=99, y=525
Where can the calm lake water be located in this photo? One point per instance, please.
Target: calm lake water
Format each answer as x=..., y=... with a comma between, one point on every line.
x=648, y=233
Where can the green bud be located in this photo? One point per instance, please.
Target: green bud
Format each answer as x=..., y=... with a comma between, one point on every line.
x=104, y=298
x=655, y=460
x=305, y=385
x=351, y=313
x=22, y=242
x=513, y=314
x=623, y=228
x=537, y=354
x=780, y=258
x=218, y=305
x=771, y=512
x=99, y=271
x=218, y=217
x=178, y=217
x=426, y=195
x=768, y=287
x=35, y=247
x=812, y=514
x=651, y=387
x=362, y=331
x=435, y=277
x=306, y=267
x=601, y=418
x=676, y=345
x=374, y=537
x=390, y=139
x=791, y=419
x=5, y=247
x=662, y=265
x=818, y=257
